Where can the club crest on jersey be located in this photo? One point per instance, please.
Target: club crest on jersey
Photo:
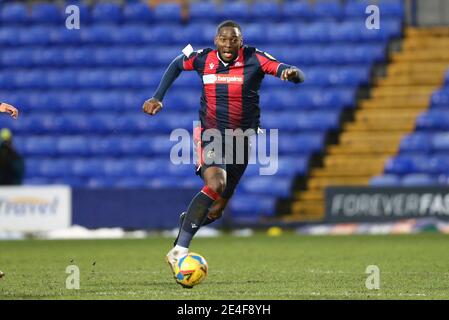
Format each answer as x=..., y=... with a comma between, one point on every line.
x=238, y=64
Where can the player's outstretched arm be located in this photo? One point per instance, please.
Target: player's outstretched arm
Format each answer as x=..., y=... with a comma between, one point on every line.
x=4, y=107
x=152, y=106
x=292, y=74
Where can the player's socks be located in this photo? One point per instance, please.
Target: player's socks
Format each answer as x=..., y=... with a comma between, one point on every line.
x=196, y=215
x=208, y=221
x=181, y=220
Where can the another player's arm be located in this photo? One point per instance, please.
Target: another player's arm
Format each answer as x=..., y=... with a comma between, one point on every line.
x=4, y=107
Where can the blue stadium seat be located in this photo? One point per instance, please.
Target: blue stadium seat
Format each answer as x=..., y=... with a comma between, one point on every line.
x=46, y=13
x=72, y=146
x=135, y=146
x=103, y=146
x=110, y=101
x=40, y=146
x=299, y=10
x=42, y=123
x=153, y=167
x=101, y=182
x=315, y=32
x=417, y=163
x=79, y=57
x=29, y=80
x=92, y=79
x=131, y=182
x=137, y=12
x=99, y=34
x=167, y=12
x=54, y=168
x=283, y=33
x=418, y=180
x=203, y=10
x=180, y=170
x=20, y=58
x=438, y=164
x=69, y=180
x=89, y=167
x=183, y=99
x=36, y=181
x=267, y=11
x=386, y=180
x=118, y=167
x=356, y=9
x=286, y=166
x=14, y=13
x=399, y=165
x=392, y=8
x=440, y=98
x=132, y=34
x=300, y=144
x=440, y=141
x=161, y=144
x=268, y=185
x=238, y=10
x=327, y=9
x=60, y=79
x=106, y=12
x=48, y=57
x=416, y=142
x=433, y=120
x=251, y=206
x=36, y=35
x=191, y=33
x=8, y=36
x=101, y=123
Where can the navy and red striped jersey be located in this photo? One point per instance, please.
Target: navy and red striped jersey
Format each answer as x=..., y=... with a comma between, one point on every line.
x=230, y=97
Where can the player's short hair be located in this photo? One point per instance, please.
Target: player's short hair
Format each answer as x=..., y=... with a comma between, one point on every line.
x=228, y=23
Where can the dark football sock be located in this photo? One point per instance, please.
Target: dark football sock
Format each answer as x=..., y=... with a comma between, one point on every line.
x=208, y=221
x=196, y=215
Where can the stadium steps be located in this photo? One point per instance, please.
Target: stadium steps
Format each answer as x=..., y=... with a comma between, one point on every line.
x=380, y=122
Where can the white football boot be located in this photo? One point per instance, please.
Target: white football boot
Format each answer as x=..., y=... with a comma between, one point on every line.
x=174, y=255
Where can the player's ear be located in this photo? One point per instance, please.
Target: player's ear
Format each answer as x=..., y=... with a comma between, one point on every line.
x=216, y=40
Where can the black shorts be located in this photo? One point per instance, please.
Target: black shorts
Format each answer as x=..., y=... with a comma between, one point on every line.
x=233, y=158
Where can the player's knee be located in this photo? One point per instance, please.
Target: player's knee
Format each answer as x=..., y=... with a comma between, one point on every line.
x=217, y=184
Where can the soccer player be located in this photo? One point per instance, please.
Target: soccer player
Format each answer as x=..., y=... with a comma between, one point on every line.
x=231, y=76
x=4, y=107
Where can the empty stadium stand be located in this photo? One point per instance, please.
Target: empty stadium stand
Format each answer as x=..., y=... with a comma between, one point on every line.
x=394, y=140
x=81, y=92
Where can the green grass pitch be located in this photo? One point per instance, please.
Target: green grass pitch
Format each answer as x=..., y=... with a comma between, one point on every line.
x=257, y=267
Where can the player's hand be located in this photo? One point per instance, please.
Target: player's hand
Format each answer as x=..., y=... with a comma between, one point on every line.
x=4, y=107
x=152, y=106
x=289, y=74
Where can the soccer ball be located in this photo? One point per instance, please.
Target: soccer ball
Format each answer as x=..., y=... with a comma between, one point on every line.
x=191, y=270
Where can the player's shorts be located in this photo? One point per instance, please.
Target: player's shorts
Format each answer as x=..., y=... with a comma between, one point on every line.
x=233, y=159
